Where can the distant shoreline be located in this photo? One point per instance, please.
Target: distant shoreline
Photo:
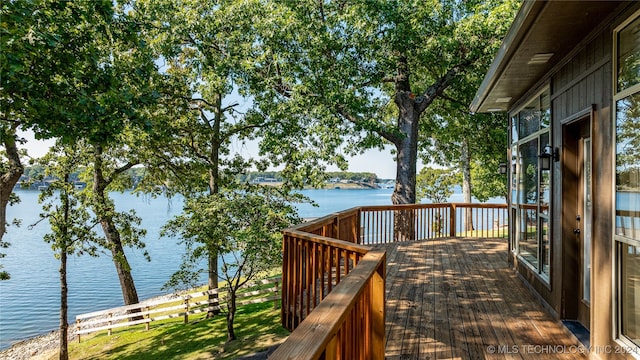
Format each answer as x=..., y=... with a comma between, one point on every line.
x=332, y=186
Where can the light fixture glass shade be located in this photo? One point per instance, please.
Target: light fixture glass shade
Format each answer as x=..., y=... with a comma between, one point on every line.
x=545, y=157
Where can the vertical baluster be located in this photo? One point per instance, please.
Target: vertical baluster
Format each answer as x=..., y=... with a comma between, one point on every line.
x=314, y=277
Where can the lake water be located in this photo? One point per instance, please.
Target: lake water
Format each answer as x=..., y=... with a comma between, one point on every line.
x=30, y=301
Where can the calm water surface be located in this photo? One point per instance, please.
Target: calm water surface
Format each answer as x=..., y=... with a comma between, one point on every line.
x=29, y=302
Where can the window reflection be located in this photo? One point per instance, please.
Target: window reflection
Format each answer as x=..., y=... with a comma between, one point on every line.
x=627, y=223
x=628, y=167
x=546, y=248
x=629, y=56
x=630, y=264
x=529, y=172
x=530, y=186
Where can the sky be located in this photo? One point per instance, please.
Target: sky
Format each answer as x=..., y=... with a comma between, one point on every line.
x=379, y=162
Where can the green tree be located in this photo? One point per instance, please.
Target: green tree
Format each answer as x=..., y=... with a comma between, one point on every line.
x=80, y=71
x=436, y=185
x=196, y=41
x=369, y=69
x=15, y=25
x=242, y=225
x=71, y=225
x=11, y=169
x=473, y=144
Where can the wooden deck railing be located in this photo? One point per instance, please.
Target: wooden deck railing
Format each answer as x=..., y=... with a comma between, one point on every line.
x=333, y=278
x=433, y=221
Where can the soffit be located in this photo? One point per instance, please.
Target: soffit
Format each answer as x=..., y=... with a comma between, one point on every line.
x=541, y=27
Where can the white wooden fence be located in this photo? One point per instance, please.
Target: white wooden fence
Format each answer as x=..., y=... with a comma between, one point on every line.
x=175, y=306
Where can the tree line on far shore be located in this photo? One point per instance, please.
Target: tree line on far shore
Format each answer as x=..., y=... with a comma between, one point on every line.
x=35, y=174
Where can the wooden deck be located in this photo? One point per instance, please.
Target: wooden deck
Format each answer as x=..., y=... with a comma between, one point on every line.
x=456, y=298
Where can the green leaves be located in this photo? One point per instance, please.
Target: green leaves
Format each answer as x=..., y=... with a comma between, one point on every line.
x=436, y=185
x=72, y=225
x=74, y=69
x=243, y=226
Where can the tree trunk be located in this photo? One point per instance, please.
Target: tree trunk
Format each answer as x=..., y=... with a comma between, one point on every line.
x=465, y=160
x=9, y=179
x=407, y=153
x=104, y=213
x=213, y=284
x=406, y=159
x=214, y=188
x=231, y=313
x=64, y=321
x=410, y=108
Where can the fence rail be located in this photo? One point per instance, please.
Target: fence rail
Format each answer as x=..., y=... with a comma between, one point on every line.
x=174, y=306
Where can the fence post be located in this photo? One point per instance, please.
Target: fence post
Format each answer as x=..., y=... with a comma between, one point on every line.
x=78, y=328
x=186, y=309
x=275, y=300
x=452, y=220
x=146, y=325
x=109, y=323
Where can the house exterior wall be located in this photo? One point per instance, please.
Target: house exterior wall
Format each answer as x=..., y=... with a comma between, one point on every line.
x=585, y=82
x=581, y=85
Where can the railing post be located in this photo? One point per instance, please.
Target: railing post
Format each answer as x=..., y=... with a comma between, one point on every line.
x=109, y=323
x=358, y=227
x=275, y=300
x=377, y=314
x=452, y=220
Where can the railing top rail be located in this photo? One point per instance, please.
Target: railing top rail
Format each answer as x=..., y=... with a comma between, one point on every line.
x=324, y=220
x=432, y=206
x=345, y=245
x=325, y=320
x=627, y=213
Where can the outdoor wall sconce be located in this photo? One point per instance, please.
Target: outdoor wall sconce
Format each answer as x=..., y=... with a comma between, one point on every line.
x=547, y=154
x=503, y=168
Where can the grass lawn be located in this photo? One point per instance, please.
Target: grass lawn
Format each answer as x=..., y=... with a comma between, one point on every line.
x=257, y=327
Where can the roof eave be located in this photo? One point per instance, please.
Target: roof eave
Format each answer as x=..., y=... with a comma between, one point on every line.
x=526, y=15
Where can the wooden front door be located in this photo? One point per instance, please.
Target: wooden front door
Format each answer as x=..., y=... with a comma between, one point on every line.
x=576, y=222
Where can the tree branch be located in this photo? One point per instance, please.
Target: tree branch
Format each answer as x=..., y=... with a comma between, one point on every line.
x=389, y=136
x=455, y=101
x=437, y=88
x=119, y=171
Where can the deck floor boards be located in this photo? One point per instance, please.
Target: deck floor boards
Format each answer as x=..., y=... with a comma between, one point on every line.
x=457, y=298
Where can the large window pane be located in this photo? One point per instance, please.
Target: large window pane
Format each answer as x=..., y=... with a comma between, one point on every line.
x=529, y=173
x=528, y=239
x=628, y=167
x=545, y=110
x=545, y=180
x=546, y=248
x=514, y=175
x=530, y=186
x=630, y=309
x=529, y=119
x=629, y=56
x=528, y=193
